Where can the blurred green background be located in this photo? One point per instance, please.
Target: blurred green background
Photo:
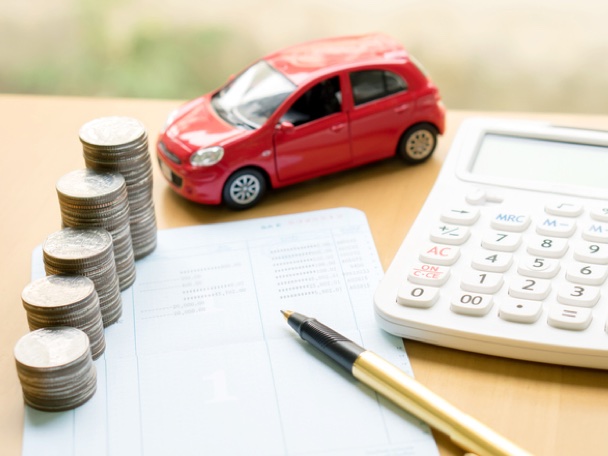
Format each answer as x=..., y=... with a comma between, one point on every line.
x=534, y=55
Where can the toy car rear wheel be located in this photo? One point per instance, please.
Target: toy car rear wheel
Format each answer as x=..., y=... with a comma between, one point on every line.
x=418, y=143
x=244, y=189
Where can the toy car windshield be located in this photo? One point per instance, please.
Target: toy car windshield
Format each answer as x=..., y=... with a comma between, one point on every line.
x=253, y=96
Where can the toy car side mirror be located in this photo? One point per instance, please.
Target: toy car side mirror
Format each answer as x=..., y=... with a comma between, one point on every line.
x=285, y=127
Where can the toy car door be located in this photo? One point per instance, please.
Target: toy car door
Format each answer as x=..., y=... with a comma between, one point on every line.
x=313, y=137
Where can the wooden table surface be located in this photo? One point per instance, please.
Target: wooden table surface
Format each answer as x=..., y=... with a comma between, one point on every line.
x=549, y=410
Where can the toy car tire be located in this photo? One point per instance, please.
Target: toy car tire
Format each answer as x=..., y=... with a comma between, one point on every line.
x=244, y=189
x=418, y=143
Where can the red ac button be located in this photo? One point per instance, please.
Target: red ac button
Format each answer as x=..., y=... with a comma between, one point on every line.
x=444, y=255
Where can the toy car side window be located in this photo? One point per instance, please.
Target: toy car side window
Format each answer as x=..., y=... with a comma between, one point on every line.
x=369, y=85
x=321, y=100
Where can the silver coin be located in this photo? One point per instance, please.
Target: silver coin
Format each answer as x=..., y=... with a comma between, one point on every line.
x=118, y=200
x=111, y=131
x=88, y=184
x=118, y=160
x=58, y=291
x=110, y=222
x=119, y=152
x=77, y=243
x=67, y=391
x=100, y=268
x=51, y=347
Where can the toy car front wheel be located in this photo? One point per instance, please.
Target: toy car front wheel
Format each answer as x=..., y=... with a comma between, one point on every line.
x=244, y=189
x=418, y=143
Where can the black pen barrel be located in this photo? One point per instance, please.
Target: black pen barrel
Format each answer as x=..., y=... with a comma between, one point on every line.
x=339, y=348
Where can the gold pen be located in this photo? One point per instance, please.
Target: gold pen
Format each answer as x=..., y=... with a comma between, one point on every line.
x=391, y=382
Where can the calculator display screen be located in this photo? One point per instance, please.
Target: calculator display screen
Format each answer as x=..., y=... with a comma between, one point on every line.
x=542, y=160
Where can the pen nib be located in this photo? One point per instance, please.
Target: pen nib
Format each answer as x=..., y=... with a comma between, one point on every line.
x=286, y=313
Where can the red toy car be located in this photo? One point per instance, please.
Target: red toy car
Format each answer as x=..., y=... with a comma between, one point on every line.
x=308, y=110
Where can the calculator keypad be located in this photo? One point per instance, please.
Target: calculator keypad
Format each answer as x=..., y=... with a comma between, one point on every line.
x=534, y=246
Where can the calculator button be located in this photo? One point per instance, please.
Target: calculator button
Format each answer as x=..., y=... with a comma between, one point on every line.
x=587, y=274
x=590, y=252
x=520, y=310
x=558, y=227
x=477, y=196
x=564, y=209
x=450, y=234
x=578, y=295
x=569, y=317
x=460, y=215
x=444, y=255
x=471, y=304
x=428, y=274
x=481, y=282
x=502, y=242
x=486, y=260
x=596, y=232
x=417, y=296
x=599, y=213
x=532, y=289
x=547, y=247
x=541, y=268
x=510, y=221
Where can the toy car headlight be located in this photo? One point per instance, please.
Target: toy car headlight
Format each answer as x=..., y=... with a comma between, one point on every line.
x=207, y=157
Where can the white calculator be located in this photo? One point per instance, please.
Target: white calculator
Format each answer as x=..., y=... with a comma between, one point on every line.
x=509, y=255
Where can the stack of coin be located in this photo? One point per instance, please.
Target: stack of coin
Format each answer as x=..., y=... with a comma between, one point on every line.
x=55, y=368
x=89, y=198
x=120, y=144
x=87, y=252
x=61, y=300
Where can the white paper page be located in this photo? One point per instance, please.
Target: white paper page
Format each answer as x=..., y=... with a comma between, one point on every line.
x=203, y=363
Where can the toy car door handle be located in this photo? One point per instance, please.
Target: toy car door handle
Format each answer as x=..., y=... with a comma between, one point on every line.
x=402, y=108
x=338, y=127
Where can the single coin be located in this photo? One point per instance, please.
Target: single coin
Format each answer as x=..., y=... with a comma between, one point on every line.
x=111, y=131
x=77, y=243
x=58, y=291
x=88, y=184
x=51, y=347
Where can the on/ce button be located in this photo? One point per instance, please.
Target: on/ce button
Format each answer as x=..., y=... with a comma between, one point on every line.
x=428, y=274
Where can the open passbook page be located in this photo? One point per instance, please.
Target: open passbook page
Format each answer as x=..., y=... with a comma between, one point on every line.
x=202, y=362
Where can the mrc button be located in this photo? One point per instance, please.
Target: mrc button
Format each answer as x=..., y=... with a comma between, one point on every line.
x=510, y=221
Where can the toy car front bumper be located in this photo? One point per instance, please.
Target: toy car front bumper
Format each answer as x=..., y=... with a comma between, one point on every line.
x=204, y=186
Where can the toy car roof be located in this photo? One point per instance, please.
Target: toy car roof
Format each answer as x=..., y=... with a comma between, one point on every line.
x=304, y=61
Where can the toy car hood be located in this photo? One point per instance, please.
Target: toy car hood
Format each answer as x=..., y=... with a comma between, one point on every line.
x=198, y=126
